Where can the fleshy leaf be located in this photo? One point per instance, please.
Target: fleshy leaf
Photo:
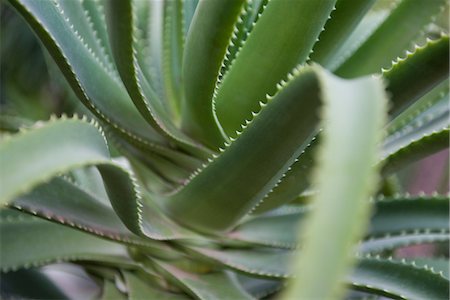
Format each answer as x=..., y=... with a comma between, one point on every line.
x=241, y=164
x=344, y=18
x=373, y=275
x=79, y=144
x=206, y=44
x=385, y=44
x=64, y=203
x=283, y=37
x=121, y=28
x=51, y=242
x=409, y=214
x=293, y=182
x=173, y=45
x=138, y=289
x=99, y=89
x=395, y=279
x=403, y=216
x=415, y=150
x=345, y=180
x=210, y=286
x=412, y=77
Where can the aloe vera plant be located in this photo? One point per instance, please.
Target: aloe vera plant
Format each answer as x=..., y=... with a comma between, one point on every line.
x=238, y=149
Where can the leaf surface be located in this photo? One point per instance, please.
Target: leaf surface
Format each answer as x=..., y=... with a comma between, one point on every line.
x=408, y=18
x=121, y=27
x=412, y=77
x=206, y=43
x=283, y=37
x=99, y=89
x=345, y=180
x=210, y=286
x=51, y=242
x=344, y=18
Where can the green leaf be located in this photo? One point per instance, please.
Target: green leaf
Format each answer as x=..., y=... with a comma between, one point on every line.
x=173, y=45
x=293, y=182
x=436, y=264
x=347, y=15
x=99, y=89
x=89, y=180
x=139, y=289
x=412, y=77
x=259, y=288
x=385, y=44
x=399, y=214
x=110, y=291
x=95, y=14
x=395, y=279
x=423, y=110
x=371, y=21
x=62, y=202
x=51, y=242
x=402, y=219
x=121, y=28
x=209, y=286
x=188, y=14
x=79, y=144
x=416, y=149
x=283, y=36
x=156, y=225
x=390, y=242
x=345, y=180
x=206, y=43
x=373, y=275
x=78, y=15
x=280, y=231
x=242, y=174
x=12, y=124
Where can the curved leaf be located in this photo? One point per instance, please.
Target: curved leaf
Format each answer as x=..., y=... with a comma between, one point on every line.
x=347, y=15
x=206, y=44
x=408, y=18
x=395, y=215
x=100, y=90
x=391, y=242
x=64, y=203
x=423, y=110
x=173, y=45
x=283, y=37
x=138, y=289
x=242, y=174
x=121, y=28
x=398, y=280
x=51, y=242
x=408, y=217
x=210, y=286
x=293, y=182
x=373, y=275
x=412, y=77
x=79, y=144
x=415, y=150
x=345, y=180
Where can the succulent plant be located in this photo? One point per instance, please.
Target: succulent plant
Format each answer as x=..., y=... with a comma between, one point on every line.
x=233, y=150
